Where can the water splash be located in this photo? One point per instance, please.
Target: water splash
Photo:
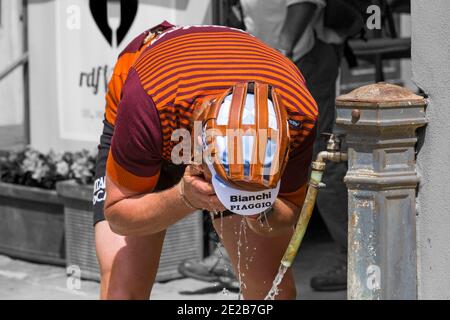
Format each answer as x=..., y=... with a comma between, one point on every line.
x=220, y=247
x=274, y=291
x=225, y=292
x=264, y=222
x=242, y=229
x=242, y=235
x=221, y=224
x=213, y=215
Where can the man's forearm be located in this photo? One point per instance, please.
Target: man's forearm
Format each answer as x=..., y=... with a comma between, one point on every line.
x=147, y=213
x=298, y=17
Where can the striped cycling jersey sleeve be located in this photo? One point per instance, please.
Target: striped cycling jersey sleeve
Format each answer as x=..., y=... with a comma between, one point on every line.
x=120, y=73
x=137, y=178
x=134, y=160
x=124, y=62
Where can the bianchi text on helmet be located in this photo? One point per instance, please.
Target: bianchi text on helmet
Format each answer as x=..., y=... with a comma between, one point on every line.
x=251, y=199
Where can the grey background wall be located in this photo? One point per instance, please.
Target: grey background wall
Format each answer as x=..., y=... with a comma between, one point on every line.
x=11, y=87
x=431, y=72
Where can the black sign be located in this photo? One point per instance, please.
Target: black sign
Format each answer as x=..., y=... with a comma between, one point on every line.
x=99, y=11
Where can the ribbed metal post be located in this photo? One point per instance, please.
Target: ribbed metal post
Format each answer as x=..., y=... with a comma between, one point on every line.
x=380, y=123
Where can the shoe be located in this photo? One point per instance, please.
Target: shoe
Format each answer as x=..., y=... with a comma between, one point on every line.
x=331, y=280
x=214, y=268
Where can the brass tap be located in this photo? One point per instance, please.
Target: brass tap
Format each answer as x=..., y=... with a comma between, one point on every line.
x=333, y=152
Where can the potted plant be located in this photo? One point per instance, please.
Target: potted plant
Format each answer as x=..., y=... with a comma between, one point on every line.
x=31, y=213
x=76, y=194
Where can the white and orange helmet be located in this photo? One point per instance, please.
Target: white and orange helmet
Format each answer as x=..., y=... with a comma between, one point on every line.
x=245, y=137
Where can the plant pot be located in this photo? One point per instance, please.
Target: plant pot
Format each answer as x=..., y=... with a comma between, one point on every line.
x=183, y=240
x=32, y=224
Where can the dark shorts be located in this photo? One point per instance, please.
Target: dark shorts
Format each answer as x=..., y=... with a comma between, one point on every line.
x=170, y=173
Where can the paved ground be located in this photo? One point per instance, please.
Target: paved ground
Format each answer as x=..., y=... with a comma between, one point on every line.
x=24, y=280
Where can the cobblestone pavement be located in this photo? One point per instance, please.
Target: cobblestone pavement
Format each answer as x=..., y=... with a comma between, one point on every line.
x=25, y=280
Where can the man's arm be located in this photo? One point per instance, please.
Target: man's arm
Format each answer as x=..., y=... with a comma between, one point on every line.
x=299, y=16
x=136, y=213
x=130, y=213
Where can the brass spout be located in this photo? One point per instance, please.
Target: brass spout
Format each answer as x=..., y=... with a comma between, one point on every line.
x=335, y=156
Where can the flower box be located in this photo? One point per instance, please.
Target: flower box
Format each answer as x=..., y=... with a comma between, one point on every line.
x=32, y=224
x=183, y=240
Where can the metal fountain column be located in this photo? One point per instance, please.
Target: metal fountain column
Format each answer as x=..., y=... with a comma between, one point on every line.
x=380, y=122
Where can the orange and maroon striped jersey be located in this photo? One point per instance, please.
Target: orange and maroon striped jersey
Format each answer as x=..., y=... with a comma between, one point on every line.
x=170, y=75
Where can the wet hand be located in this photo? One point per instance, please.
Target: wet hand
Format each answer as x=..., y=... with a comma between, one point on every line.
x=199, y=192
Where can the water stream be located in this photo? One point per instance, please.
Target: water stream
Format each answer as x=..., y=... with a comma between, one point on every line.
x=213, y=215
x=274, y=291
x=242, y=235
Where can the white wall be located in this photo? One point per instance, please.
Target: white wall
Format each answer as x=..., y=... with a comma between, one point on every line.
x=69, y=119
x=431, y=72
x=11, y=87
x=406, y=66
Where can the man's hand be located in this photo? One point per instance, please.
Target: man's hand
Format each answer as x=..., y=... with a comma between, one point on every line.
x=281, y=219
x=199, y=192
